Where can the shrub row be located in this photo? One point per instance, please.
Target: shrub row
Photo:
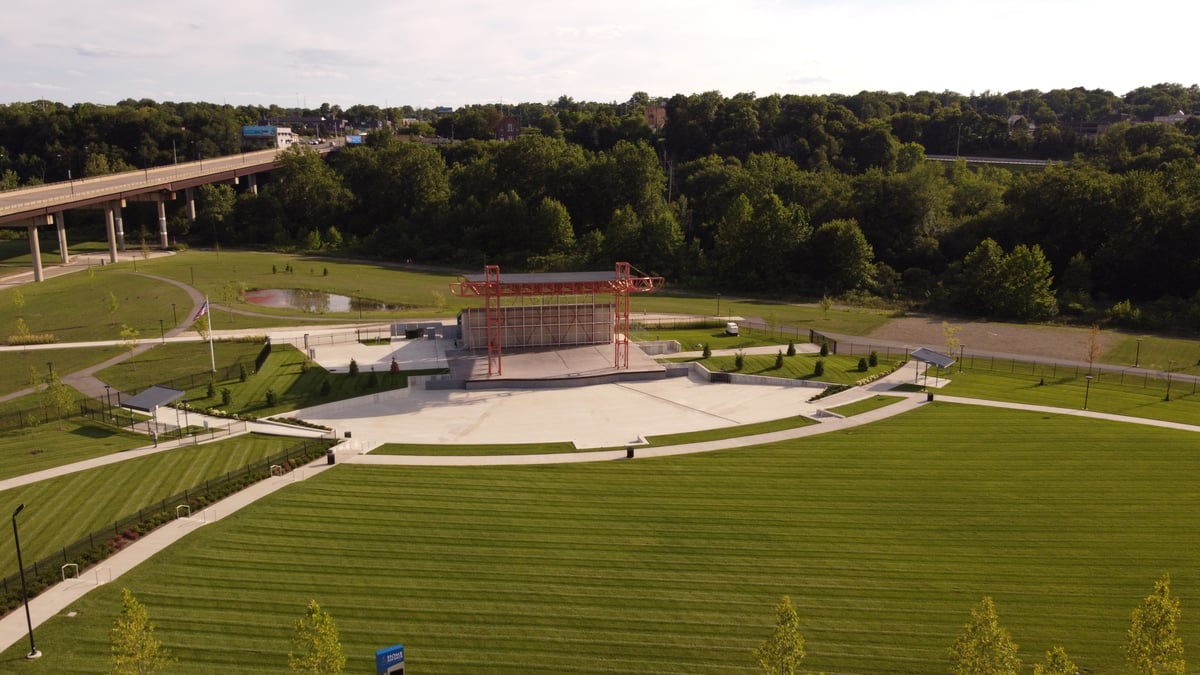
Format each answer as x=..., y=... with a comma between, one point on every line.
x=38, y=339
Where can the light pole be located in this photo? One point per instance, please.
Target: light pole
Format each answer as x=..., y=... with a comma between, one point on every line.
x=1087, y=390
x=108, y=397
x=960, y=356
x=1170, y=365
x=33, y=652
x=1137, y=357
x=174, y=316
x=718, y=305
x=162, y=333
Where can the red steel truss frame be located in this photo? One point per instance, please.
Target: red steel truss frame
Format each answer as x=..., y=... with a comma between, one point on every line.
x=493, y=290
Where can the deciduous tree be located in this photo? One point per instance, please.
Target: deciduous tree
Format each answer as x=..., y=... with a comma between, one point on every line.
x=1057, y=663
x=135, y=650
x=782, y=653
x=984, y=647
x=318, y=643
x=1152, y=645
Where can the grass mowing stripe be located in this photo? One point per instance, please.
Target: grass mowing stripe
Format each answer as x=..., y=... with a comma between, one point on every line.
x=61, y=510
x=884, y=536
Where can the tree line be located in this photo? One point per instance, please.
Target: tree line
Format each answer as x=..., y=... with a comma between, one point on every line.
x=785, y=195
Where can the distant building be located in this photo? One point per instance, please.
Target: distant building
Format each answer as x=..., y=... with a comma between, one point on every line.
x=1018, y=124
x=507, y=128
x=656, y=116
x=267, y=136
x=1173, y=118
x=443, y=110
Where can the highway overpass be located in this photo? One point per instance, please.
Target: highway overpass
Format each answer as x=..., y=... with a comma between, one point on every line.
x=42, y=205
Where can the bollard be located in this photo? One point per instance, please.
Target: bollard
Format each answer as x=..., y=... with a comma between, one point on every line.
x=628, y=453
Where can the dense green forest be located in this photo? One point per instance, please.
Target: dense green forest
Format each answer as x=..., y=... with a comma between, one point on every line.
x=784, y=195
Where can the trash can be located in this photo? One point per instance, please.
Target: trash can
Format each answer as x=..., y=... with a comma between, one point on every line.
x=929, y=396
x=329, y=458
x=628, y=453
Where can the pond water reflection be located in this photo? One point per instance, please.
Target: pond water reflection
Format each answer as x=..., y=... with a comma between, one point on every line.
x=314, y=302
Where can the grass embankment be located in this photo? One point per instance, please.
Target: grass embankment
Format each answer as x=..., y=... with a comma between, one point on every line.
x=884, y=536
x=1128, y=394
x=57, y=443
x=554, y=448
x=838, y=369
x=425, y=293
x=61, y=510
x=18, y=369
x=866, y=405
x=93, y=305
x=295, y=384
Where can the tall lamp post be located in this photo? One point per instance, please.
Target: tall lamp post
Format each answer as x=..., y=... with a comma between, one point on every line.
x=161, y=332
x=1137, y=357
x=718, y=305
x=33, y=652
x=1087, y=390
x=1170, y=365
x=108, y=397
x=174, y=316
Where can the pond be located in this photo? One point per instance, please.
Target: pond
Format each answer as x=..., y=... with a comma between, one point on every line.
x=314, y=302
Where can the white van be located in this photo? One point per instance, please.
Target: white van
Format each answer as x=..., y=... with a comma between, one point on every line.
x=731, y=328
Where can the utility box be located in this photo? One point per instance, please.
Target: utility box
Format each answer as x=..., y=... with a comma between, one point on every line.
x=731, y=328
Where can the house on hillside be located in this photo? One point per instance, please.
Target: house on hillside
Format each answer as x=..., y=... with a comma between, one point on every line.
x=507, y=128
x=656, y=116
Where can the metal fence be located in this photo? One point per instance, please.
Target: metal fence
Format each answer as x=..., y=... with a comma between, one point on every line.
x=1043, y=369
x=314, y=340
x=101, y=544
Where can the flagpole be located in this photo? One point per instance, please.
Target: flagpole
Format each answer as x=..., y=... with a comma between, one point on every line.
x=211, y=356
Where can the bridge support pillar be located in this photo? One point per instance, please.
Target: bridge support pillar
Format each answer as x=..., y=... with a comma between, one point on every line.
x=61, y=224
x=120, y=226
x=35, y=250
x=253, y=183
x=110, y=231
x=162, y=224
x=190, y=198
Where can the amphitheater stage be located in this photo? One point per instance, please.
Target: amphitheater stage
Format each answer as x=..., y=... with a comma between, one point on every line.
x=551, y=368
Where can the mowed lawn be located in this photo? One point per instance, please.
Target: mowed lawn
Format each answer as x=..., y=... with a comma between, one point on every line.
x=884, y=536
x=61, y=510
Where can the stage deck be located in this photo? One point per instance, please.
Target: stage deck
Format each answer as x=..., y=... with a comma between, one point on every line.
x=561, y=367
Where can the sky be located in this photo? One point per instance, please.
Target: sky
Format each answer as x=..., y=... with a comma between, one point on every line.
x=459, y=52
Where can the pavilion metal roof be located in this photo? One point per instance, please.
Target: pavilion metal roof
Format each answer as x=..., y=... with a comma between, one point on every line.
x=929, y=356
x=154, y=397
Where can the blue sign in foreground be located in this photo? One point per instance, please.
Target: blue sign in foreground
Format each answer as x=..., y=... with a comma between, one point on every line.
x=389, y=660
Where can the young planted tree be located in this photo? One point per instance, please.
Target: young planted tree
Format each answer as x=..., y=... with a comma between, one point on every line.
x=1152, y=646
x=59, y=399
x=1093, y=347
x=1057, y=663
x=112, y=303
x=782, y=653
x=984, y=645
x=317, y=640
x=129, y=337
x=135, y=650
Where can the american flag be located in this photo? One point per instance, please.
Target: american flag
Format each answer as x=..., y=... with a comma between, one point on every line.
x=202, y=312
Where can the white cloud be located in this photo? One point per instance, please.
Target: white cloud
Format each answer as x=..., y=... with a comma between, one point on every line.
x=464, y=51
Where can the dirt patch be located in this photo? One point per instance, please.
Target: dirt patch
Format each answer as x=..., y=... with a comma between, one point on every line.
x=1055, y=342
